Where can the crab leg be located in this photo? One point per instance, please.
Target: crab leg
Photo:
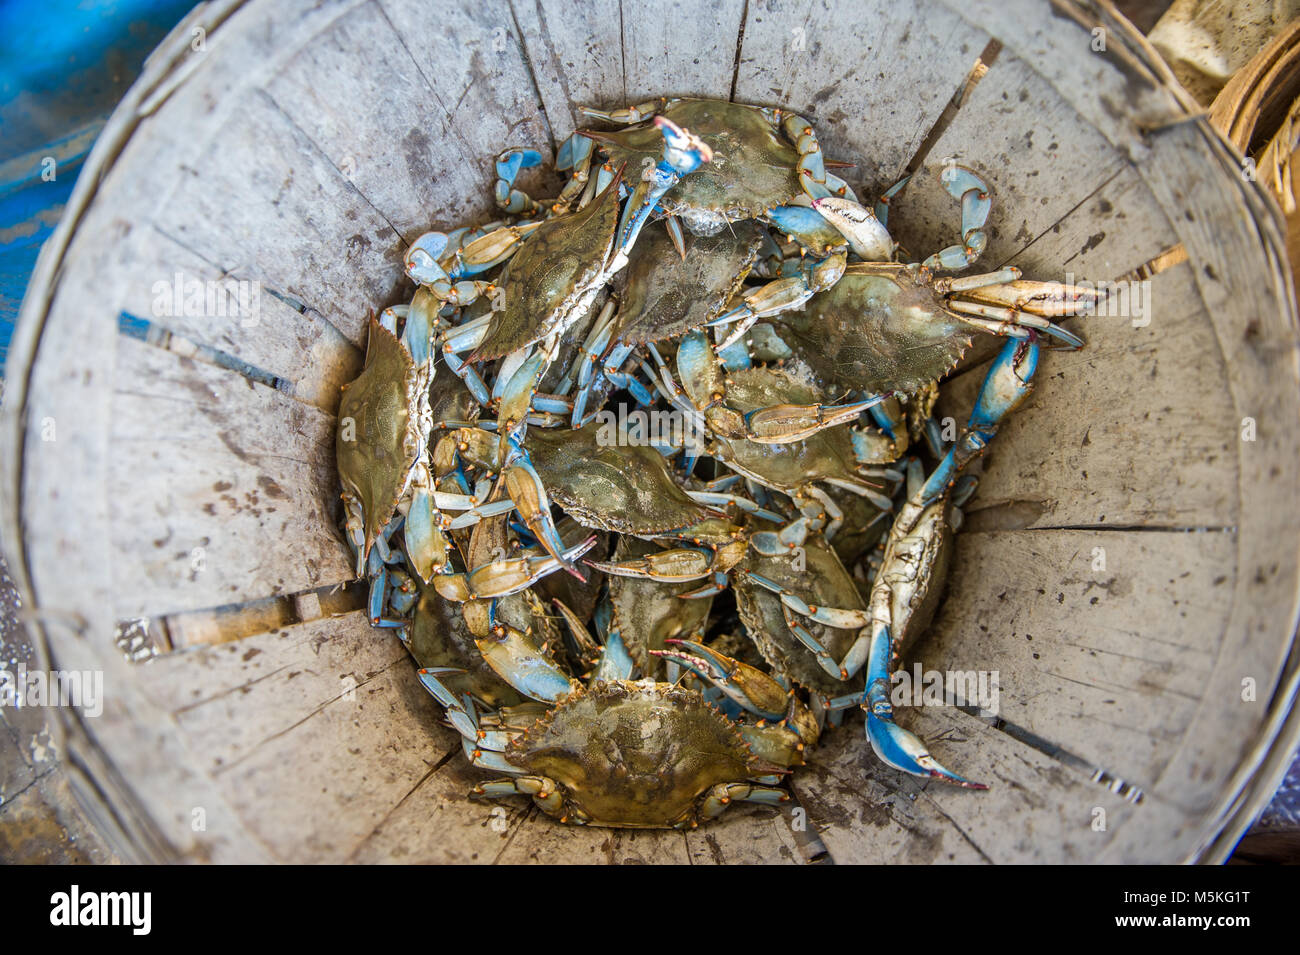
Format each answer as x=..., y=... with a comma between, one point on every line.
x=515, y=657
x=894, y=745
x=781, y=295
x=504, y=577
x=724, y=794
x=866, y=234
x=897, y=587
x=717, y=499
x=508, y=198
x=705, y=383
x=684, y=152
x=463, y=338
x=445, y=274
x=749, y=687
x=1016, y=308
x=814, y=178
x=629, y=115
x=786, y=726
x=588, y=363
x=667, y=566
x=839, y=618
x=574, y=155
x=973, y=192
x=545, y=792
x=460, y=710
x=529, y=497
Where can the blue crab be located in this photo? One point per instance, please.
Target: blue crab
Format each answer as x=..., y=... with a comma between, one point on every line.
x=916, y=312
x=626, y=753
x=910, y=580
x=383, y=432
x=767, y=166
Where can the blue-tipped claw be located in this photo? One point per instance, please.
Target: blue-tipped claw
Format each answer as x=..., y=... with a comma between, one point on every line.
x=748, y=687
x=422, y=258
x=896, y=746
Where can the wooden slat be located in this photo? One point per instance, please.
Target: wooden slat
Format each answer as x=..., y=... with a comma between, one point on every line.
x=253, y=708
x=238, y=478
x=873, y=76
x=319, y=768
x=1035, y=810
x=309, y=232
x=1028, y=145
x=1112, y=90
x=1116, y=229
x=749, y=835
x=244, y=189
x=1063, y=618
x=1254, y=322
x=398, y=133
x=236, y=702
x=575, y=50
x=1080, y=452
x=306, y=352
x=681, y=48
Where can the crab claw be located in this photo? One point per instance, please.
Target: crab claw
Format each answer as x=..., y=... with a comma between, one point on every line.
x=904, y=751
x=516, y=657
x=422, y=258
x=896, y=746
x=1008, y=383
x=1018, y=307
x=683, y=150
x=867, y=236
x=529, y=495
x=748, y=686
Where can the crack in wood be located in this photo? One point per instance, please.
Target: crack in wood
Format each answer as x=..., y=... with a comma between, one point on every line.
x=301, y=307
x=330, y=162
x=532, y=77
x=740, y=43
x=1069, y=212
x=349, y=691
x=528, y=813
x=988, y=56
x=953, y=822
x=361, y=843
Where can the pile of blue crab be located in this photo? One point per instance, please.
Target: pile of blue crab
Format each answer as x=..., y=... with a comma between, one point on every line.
x=639, y=626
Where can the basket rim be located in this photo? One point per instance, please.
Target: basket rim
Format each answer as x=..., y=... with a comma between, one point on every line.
x=111, y=801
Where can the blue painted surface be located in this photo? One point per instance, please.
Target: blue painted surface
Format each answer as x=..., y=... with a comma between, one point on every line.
x=63, y=67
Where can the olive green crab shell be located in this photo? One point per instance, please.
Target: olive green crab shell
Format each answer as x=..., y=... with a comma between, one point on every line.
x=636, y=755
x=647, y=613
x=826, y=454
x=556, y=270
x=376, y=441
x=626, y=489
x=440, y=637
x=821, y=580
x=878, y=329
x=753, y=169
x=664, y=296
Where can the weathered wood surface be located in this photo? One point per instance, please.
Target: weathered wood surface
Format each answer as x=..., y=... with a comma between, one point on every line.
x=1082, y=661
x=307, y=354
x=205, y=510
x=1026, y=143
x=332, y=710
x=1110, y=406
x=873, y=77
x=1035, y=810
x=272, y=156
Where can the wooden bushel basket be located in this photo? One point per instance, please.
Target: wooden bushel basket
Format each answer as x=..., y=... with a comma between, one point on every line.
x=1129, y=567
